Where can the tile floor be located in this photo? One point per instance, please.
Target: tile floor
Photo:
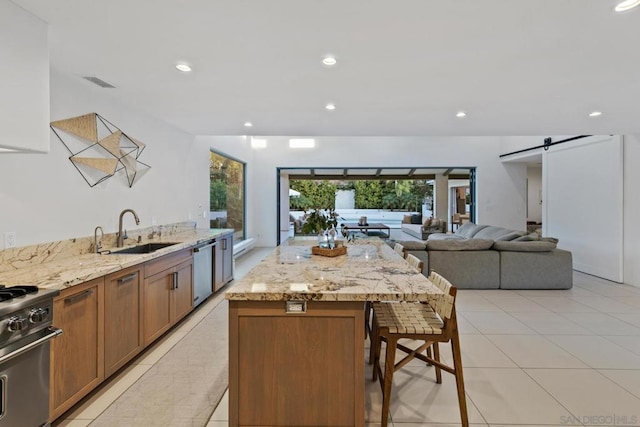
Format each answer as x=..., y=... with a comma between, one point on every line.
x=531, y=358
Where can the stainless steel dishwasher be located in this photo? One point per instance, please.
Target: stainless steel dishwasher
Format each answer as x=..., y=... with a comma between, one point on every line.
x=202, y=272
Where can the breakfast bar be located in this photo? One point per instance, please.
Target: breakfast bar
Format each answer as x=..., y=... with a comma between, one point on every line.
x=296, y=332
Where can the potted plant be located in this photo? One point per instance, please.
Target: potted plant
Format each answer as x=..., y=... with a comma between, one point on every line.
x=317, y=220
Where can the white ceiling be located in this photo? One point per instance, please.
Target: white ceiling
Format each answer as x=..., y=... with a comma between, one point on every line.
x=518, y=67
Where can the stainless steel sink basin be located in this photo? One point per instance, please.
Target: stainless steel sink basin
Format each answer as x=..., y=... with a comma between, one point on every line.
x=142, y=249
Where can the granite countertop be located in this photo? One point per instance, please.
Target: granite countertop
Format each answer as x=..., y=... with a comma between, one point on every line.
x=74, y=270
x=370, y=271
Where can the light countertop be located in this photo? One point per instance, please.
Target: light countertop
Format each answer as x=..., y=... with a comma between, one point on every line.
x=66, y=272
x=370, y=271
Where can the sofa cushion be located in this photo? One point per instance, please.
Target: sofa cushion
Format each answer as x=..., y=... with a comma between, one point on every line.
x=497, y=233
x=532, y=246
x=416, y=219
x=444, y=236
x=412, y=245
x=549, y=239
x=459, y=244
x=406, y=219
x=531, y=237
x=469, y=229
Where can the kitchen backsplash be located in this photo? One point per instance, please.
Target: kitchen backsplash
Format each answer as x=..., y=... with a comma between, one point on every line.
x=25, y=256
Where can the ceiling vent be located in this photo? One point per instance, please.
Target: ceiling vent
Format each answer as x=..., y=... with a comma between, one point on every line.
x=99, y=82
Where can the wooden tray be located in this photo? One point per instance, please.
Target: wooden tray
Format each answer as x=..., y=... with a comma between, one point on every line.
x=338, y=250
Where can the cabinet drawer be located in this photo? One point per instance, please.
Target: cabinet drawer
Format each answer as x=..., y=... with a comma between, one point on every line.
x=157, y=265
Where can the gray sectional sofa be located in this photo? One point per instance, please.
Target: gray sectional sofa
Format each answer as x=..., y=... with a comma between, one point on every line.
x=488, y=257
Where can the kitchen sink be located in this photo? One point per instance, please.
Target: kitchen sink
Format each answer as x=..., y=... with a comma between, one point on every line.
x=142, y=249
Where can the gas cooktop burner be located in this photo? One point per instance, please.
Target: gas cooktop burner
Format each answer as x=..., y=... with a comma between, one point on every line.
x=7, y=294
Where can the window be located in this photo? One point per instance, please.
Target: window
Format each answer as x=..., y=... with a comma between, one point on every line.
x=227, y=200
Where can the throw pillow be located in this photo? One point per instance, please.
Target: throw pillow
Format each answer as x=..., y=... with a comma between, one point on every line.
x=427, y=223
x=406, y=219
x=531, y=237
x=435, y=221
x=416, y=219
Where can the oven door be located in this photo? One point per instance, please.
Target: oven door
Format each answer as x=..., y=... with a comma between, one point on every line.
x=24, y=381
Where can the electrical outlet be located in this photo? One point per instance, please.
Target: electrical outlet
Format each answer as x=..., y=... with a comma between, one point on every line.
x=9, y=239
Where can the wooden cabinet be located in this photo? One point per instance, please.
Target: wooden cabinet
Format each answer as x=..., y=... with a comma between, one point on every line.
x=108, y=321
x=123, y=329
x=223, y=255
x=279, y=362
x=167, y=293
x=77, y=364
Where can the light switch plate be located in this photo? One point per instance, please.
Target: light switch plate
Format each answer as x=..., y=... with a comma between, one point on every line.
x=9, y=239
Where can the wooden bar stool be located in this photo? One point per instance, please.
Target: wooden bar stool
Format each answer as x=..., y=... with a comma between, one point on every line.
x=431, y=324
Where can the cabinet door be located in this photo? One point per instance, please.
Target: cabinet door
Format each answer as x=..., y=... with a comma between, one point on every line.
x=156, y=312
x=227, y=269
x=122, y=329
x=182, y=292
x=77, y=356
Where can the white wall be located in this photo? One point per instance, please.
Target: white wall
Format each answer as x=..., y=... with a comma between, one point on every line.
x=631, y=150
x=44, y=198
x=501, y=188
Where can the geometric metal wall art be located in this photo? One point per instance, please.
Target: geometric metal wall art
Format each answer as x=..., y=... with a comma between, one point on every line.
x=99, y=150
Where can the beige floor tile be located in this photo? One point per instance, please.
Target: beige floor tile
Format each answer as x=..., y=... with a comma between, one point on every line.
x=627, y=379
x=605, y=304
x=108, y=393
x=478, y=352
x=588, y=395
x=629, y=342
x=221, y=413
x=217, y=424
x=417, y=398
x=551, y=323
x=497, y=323
x=464, y=326
x=397, y=424
x=562, y=304
x=602, y=324
x=473, y=302
x=535, y=351
x=634, y=301
x=517, y=304
x=597, y=352
x=631, y=318
x=510, y=396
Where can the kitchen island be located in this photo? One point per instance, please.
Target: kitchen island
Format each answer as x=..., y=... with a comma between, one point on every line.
x=296, y=332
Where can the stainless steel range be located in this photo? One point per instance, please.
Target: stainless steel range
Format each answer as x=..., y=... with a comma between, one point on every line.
x=26, y=314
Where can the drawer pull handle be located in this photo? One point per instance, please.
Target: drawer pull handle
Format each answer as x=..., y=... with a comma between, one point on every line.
x=126, y=279
x=175, y=280
x=81, y=295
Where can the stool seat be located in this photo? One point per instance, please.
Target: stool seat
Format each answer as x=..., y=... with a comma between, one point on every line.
x=408, y=318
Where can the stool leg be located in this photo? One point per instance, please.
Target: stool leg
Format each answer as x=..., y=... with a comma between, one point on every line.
x=457, y=365
x=388, y=378
x=436, y=357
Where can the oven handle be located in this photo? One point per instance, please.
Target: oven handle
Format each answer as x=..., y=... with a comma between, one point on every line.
x=52, y=333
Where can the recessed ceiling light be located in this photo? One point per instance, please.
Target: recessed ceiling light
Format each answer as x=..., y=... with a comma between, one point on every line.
x=330, y=107
x=258, y=143
x=248, y=124
x=625, y=5
x=461, y=114
x=595, y=113
x=302, y=143
x=183, y=67
x=330, y=60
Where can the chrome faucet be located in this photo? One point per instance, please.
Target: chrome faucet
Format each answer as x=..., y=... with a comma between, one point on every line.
x=120, y=242
x=97, y=244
